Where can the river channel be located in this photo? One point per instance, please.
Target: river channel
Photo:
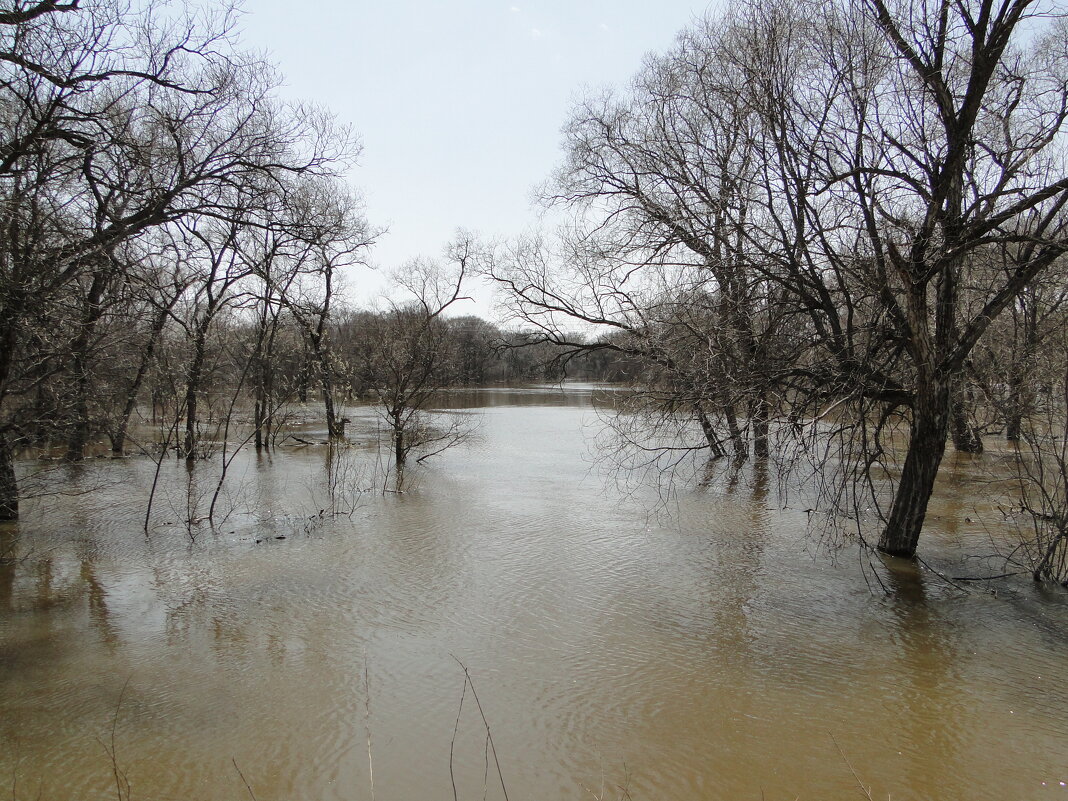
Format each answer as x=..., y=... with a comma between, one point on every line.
x=697, y=644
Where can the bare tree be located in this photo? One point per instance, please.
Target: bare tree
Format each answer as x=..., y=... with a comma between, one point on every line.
x=332, y=234
x=841, y=177
x=1041, y=470
x=118, y=122
x=157, y=291
x=917, y=139
x=404, y=355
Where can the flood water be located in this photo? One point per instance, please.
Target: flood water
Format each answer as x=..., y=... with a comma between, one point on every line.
x=698, y=645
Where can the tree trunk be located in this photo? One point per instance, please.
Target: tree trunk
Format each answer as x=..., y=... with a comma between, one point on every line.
x=738, y=443
x=320, y=342
x=269, y=409
x=9, y=491
x=966, y=438
x=118, y=439
x=320, y=348
x=258, y=414
x=927, y=445
x=1013, y=426
x=304, y=379
x=192, y=389
x=190, y=443
x=91, y=313
x=1022, y=370
x=400, y=452
x=714, y=445
x=335, y=430
x=79, y=433
x=761, y=415
x=262, y=366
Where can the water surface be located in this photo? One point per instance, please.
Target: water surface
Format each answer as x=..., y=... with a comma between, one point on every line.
x=694, y=646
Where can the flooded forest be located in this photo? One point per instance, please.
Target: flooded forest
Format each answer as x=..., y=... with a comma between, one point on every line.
x=755, y=488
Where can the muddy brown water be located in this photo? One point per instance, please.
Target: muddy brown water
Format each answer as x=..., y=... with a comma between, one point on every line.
x=702, y=647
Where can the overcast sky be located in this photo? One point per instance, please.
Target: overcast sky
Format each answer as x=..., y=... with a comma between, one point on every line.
x=458, y=104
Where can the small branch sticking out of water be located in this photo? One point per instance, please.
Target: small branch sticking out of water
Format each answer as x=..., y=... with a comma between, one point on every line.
x=489, y=734
x=243, y=779
x=452, y=742
x=367, y=724
x=865, y=790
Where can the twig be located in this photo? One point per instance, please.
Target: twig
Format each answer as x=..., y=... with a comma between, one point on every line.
x=989, y=578
x=452, y=742
x=485, y=722
x=367, y=724
x=243, y=779
x=120, y=777
x=863, y=789
x=951, y=582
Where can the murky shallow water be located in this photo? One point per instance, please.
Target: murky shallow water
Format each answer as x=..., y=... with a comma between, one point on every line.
x=709, y=653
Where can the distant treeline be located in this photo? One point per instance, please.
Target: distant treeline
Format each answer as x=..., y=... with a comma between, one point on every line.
x=144, y=366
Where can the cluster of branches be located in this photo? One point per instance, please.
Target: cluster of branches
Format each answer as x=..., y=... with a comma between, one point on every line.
x=843, y=220
x=402, y=356
x=464, y=350
x=150, y=180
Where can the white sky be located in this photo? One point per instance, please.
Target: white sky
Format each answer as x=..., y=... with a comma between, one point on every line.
x=458, y=104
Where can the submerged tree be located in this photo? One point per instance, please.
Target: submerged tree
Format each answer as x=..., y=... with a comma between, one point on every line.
x=1040, y=459
x=118, y=123
x=332, y=234
x=403, y=355
x=865, y=186
x=916, y=140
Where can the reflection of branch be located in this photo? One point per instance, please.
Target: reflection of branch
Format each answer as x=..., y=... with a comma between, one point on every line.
x=65, y=493
x=459, y=430
x=122, y=783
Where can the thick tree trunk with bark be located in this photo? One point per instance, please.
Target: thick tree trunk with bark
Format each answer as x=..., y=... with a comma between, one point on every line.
x=927, y=445
x=259, y=414
x=304, y=379
x=79, y=433
x=1021, y=371
x=1014, y=420
x=264, y=371
x=400, y=450
x=320, y=342
x=335, y=429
